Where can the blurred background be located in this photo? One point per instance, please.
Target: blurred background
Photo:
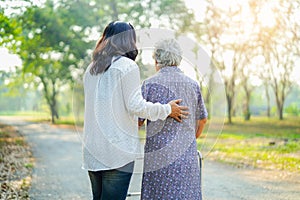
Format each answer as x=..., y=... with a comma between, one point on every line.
x=46, y=45
x=254, y=45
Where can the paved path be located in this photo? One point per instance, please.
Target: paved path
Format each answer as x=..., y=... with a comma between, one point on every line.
x=222, y=182
x=57, y=172
x=58, y=175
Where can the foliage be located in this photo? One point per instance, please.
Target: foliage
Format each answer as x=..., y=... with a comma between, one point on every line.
x=293, y=110
x=53, y=47
x=14, y=94
x=262, y=143
x=9, y=31
x=240, y=39
x=56, y=37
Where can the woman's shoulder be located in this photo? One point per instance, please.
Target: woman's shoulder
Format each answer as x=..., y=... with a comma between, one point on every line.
x=124, y=64
x=189, y=80
x=154, y=79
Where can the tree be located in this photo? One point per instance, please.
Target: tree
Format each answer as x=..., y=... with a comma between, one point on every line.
x=224, y=36
x=248, y=88
x=238, y=34
x=264, y=76
x=53, y=46
x=278, y=44
x=57, y=37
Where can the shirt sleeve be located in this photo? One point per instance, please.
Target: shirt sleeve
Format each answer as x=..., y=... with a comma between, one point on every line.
x=134, y=101
x=201, y=112
x=144, y=95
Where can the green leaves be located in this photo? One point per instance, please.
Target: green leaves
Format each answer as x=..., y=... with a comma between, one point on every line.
x=55, y=39
x=9, y=31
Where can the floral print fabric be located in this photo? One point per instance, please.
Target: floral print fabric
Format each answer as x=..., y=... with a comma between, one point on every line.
x=171, y=169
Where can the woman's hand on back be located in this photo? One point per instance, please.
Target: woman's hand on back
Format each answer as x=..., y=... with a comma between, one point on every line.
x=178, y=112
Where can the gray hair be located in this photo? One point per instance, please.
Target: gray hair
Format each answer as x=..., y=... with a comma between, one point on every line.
x=167, y=52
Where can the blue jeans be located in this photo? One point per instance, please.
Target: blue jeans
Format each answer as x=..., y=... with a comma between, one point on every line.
x=111, y=184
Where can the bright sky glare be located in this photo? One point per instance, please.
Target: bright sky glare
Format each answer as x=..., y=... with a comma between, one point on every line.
x=9, y=61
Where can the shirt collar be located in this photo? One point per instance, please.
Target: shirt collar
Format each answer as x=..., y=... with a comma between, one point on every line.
x=115, y=58
x=170, y=69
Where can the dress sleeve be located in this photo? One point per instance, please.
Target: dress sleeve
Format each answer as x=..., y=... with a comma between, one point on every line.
x=134, y=101
x=201, y=112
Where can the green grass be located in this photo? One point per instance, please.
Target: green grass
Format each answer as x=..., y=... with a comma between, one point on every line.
x=64, y=120
x=261, y=143
x=42, y=117
x=24, y=113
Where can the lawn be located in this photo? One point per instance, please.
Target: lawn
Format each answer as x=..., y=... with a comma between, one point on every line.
x=260, y=143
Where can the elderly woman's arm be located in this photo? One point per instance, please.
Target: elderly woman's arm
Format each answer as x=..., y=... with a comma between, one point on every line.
x=201, y=124
x=201, y=112
x=139, y=107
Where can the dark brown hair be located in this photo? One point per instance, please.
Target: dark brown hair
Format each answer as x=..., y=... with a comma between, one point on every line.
x=118, y=39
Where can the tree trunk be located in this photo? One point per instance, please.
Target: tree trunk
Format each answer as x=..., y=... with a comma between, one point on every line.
x=229, y=108
x=268, y=101
x=53, y=108
x=50, y=98
x=280, y=110
x=279, y=103
x=247, y=113
x=281, y=113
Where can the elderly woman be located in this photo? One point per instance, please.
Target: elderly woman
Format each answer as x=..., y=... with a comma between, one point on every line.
x=171, y=169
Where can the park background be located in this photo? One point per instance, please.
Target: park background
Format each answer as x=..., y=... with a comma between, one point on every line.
x=253, y=45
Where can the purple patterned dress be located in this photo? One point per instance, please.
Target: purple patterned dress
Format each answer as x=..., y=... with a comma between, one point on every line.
x=171, y=169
